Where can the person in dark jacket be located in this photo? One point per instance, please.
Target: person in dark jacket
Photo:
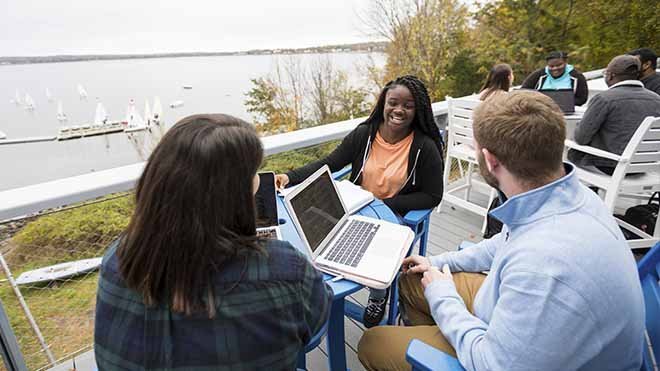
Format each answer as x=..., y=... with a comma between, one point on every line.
x=189, y=285
x=396, y=154
x=647, y=74
x=558, y=75
x=614, y=115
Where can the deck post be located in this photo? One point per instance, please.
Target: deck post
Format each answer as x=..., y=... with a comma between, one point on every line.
x=26, y=310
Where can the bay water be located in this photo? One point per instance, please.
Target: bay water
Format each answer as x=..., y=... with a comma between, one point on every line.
x=219, y=85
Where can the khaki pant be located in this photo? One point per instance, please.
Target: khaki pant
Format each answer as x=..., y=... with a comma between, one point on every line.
x=384, y=347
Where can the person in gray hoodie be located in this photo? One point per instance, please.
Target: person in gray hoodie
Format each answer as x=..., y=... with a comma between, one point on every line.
x=614, y=115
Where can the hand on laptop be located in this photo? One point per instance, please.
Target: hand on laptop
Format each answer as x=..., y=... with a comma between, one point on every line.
x=281, y=181
x=415, y=264
x=434, y=274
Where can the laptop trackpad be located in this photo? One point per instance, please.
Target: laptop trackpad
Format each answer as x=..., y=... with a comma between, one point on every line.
x=386, y=245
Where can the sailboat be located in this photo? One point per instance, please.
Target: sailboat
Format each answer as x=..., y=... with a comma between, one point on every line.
x=147, y=113
x=176, y=104
x=102, y=125
x=66, y=132
x=3, y=135
x=135, y=121
x=17, y=99
x=158, y=111
x=100, y=116
x=29, y=103
x=61, y=116
x=82, y=92
x=49, y=95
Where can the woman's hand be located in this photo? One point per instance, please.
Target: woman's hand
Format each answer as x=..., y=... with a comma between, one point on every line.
x=281, y=181
x=415, y=264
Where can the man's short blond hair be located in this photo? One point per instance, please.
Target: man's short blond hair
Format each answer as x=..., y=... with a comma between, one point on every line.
x=525, y=130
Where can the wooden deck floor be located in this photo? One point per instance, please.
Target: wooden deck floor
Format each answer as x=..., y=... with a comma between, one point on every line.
x=448, y=228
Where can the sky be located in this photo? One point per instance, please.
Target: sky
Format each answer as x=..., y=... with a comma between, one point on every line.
x=47, y=27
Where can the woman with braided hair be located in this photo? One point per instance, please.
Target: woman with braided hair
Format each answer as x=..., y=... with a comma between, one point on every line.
x=396, y=154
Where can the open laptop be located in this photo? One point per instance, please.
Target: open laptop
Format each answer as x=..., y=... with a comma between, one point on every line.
x=365, y=250
x=565, y=99
x=266, y=204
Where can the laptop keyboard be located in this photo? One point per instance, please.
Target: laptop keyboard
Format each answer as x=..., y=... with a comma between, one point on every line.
x=352, y=244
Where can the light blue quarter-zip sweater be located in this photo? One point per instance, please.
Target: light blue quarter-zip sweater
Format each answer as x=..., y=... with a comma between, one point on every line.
x=562, y=293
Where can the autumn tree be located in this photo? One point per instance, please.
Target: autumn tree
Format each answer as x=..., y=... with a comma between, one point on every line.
x=424, y=37
x=296, y=96
x=268, y=103
x=522, y=32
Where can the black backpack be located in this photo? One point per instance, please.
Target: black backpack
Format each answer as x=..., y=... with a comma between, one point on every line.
x=493, y=225
x=643, y=216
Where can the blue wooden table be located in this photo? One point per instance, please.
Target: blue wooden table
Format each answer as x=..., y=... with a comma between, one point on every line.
x=342, y=288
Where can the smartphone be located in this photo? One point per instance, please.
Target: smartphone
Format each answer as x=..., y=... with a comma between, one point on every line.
x=265, y=201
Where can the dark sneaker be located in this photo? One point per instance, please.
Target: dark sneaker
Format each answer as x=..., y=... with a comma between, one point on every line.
x=375, y=311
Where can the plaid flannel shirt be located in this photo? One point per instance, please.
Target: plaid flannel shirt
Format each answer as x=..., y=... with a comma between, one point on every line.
x=261, y=322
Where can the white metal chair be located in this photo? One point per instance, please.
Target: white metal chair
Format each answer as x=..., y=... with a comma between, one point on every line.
x=641, y=155
x=460, y=147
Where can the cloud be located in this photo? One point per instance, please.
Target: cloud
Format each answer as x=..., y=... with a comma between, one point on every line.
x=38, y=27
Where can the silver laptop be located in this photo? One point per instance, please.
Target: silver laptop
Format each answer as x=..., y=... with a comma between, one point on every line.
x=266, y=205
x=362, y=249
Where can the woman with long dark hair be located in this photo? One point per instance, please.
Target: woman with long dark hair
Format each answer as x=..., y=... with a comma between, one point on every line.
x=498, y=82
x=189, y=284
x=396, y=154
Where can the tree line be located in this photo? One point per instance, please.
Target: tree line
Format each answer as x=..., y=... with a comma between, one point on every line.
x=451, y=46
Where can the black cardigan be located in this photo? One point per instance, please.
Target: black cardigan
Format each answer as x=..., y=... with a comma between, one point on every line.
x=423, y=188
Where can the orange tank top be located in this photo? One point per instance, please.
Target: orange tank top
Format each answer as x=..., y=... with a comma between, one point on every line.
x=386, y=169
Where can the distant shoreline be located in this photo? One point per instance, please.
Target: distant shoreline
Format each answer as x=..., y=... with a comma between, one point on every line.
x=367, y=47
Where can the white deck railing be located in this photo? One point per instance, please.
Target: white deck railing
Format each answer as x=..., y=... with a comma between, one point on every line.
x=19, y=202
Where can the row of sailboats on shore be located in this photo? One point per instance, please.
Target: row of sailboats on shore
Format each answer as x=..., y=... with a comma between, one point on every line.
x=102, y=124
x=134, y=122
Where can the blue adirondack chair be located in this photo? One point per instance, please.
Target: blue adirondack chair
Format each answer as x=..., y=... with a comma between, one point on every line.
x=423, y=357
x=649, y=274
x=313, y=343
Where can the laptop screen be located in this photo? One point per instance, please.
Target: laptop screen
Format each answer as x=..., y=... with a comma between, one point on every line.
x=265, y=201
x=565, y=98
x=318, y=209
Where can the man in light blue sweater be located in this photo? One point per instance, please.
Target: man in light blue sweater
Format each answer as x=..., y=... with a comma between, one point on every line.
x=562, y=292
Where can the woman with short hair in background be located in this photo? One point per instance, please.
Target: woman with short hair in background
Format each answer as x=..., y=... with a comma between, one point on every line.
x=189, y=285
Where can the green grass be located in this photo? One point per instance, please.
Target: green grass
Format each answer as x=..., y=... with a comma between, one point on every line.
x=286, y=161
x=78, y=233
x=65, y=311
